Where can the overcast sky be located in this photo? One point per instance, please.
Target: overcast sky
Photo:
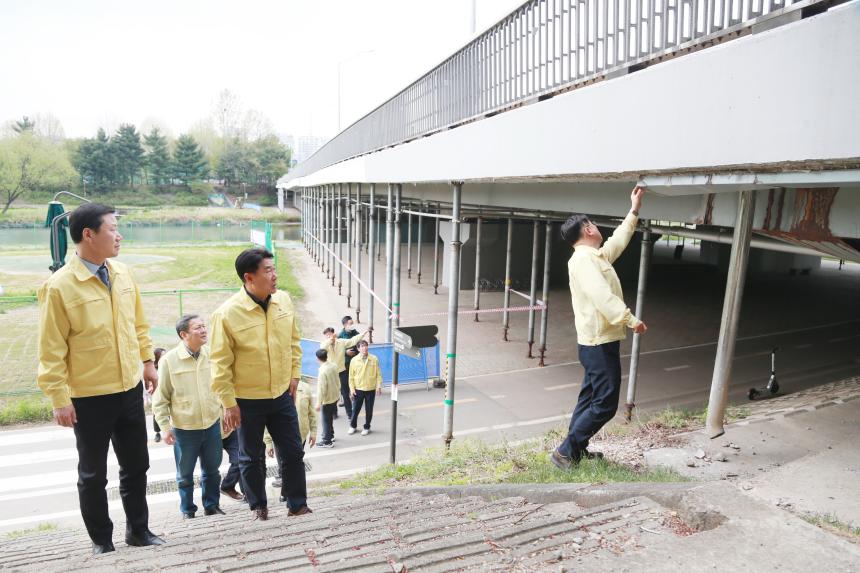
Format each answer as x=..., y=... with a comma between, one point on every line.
x=99, y=63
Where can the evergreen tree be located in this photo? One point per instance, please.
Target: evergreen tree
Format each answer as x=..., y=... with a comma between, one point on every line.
x=157, y=157
x=128, y=153
x=24, y=125
x=189, y=163
x=94, y=160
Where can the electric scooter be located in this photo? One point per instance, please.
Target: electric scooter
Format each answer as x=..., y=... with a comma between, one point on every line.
x=772, y=385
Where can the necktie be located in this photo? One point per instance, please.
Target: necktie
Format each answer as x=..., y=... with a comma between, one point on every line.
x=102, y=273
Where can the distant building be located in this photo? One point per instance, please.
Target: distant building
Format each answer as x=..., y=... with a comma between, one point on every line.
x=302, y=146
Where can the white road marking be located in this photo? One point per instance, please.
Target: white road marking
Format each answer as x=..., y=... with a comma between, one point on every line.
x=802, y=346
x=498, y=396
x=561, y=386
x=843, y=338
x=674, y=368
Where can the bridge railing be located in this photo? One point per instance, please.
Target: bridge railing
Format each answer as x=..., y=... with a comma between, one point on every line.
x=543, y=47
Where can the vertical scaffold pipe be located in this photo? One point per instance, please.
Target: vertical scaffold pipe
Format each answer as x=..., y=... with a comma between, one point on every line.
x=453, y=302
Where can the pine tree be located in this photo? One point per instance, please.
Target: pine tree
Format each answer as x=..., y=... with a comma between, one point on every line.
x=128, y=152
x=157, y=158
x=189, y=163
x=25, y=125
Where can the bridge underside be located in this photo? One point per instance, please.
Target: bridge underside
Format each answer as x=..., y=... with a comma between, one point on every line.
x=751, y=143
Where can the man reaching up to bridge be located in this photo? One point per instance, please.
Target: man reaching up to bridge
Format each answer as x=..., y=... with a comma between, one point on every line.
x=601, y=317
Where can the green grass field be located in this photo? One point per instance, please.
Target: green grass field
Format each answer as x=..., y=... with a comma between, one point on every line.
x=157, y=269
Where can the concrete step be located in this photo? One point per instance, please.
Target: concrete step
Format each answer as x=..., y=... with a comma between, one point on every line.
x=520, y=528
x=431, y=533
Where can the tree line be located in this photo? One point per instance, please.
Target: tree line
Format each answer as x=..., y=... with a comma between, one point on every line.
x=231, y=146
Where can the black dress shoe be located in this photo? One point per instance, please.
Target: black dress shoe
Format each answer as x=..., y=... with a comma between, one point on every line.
x=99, y=548
x=143, y=539
x=214, y=510
x=188, y=515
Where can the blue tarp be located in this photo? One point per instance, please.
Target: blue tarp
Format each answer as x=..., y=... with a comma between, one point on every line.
x=412, y=370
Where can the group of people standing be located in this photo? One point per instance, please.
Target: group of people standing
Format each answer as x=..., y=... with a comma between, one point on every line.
x=95, y=354
x=225, y=391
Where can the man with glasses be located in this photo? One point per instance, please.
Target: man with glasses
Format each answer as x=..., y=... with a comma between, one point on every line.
x=189, y=415
x=601, y=319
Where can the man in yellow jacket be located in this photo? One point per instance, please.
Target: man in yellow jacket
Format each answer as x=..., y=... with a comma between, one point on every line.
x=327, y=394
x=601, y=318
x=93, y=344
x=365, y=383
x=189, y=414
x=336, y=347
x=256, y=365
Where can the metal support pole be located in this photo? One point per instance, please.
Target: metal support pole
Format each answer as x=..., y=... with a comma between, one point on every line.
x=371, y=264
x=731, y=313
x=389, y=260
x=315, y=211
x=420, y=233
x=358, y=244
x=331, y=227
x=318, y=226
x=478, y=268
x=378, y=246
x=544, y=315
x=644, y=263
x=395, y=376
x=506, y=316
x=325, y=231
x=339, y=238
x=436, y=255
x=533, y=289
x=395, y=283
x=349, y=208
x=409, y=245
x=453, y=303
x=330, y=234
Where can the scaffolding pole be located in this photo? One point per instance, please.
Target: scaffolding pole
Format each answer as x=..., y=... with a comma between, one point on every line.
x=420, y=233
x=544, y=315
x=731, y=313
x=641, y=287
x=408, y=245
x=436, y=255
x=371, y=264
x=478, y=268
x=453, y=302
x=389, y=259
x=533, y=289
x=506, y=316
x=358, y=242
x=397, y=251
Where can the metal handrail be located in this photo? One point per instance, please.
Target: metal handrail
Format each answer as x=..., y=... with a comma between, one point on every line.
x=541, y=48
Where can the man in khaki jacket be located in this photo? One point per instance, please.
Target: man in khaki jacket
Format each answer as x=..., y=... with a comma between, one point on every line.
x=93, y=343
x=336, y=346
x=601, y=318
x=256, y=365
x=189, y=414
x=365, y=383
